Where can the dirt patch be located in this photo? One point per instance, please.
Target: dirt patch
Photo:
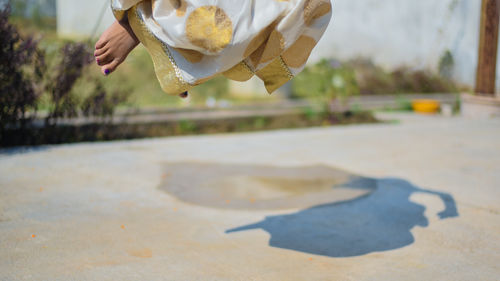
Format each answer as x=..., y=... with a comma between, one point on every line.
x=141, y=253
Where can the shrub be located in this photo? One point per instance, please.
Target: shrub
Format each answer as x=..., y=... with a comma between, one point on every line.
x=326, y=81
x=22, y=66
x=374, y=80
x=446, y=65
x=73, y=58
x=100, y=103
x=25, y=79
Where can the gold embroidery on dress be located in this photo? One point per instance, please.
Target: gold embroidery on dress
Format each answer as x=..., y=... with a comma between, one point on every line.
x=210, y=28
x=190, y=55
x=240, y=72
x=275, y=74
x=167, y=72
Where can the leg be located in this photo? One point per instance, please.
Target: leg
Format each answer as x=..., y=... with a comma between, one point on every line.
x=114, y=45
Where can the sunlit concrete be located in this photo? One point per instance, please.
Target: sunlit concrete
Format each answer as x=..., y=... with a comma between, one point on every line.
x=427, y=207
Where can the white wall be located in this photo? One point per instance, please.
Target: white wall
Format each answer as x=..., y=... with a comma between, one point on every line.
x=414, y=33
x=79, y=18
x=405, y=32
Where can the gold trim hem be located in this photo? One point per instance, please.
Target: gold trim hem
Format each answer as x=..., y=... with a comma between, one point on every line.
x=275, y=74
x=166, y=70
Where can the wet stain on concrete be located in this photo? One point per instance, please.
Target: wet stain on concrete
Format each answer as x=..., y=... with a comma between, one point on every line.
x=252, y=187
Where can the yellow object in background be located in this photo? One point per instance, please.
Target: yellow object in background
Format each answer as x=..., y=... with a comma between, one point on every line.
x=425, y=106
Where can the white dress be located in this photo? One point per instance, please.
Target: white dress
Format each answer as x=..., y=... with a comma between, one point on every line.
x=192, y=41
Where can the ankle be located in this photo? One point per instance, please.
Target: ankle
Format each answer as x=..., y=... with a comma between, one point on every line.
x=124, y=23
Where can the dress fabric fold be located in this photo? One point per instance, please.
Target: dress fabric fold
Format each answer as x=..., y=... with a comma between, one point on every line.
x=192, y=41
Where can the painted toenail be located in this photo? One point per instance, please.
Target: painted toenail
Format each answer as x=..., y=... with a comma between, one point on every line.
x=97, y=60
x=106, y=71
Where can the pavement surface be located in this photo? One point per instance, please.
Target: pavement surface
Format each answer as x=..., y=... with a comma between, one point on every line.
x=413, y=199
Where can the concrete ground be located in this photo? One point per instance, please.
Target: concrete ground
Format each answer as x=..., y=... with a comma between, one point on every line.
x=417, y=199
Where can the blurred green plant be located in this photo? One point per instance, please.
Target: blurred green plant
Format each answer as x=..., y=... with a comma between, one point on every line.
x=217, y=88
x=311, y=114
x=327, y=82
x=18, y=7
x=374, y=80
x=259, y=123
x=37, y=15
x=102, y=103
x=61, y=79
x=403, y=104
x=457, y=105
x=185, y=127
x=446, y=65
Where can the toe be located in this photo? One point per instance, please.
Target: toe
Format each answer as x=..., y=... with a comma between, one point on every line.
x=104, y=59
x=100, y=43
x=110, y=67
x=100, y=51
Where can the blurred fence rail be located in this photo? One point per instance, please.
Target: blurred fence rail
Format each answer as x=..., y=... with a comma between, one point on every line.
x=148, y=115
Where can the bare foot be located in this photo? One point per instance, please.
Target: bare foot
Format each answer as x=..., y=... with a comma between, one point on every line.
x=114, y=46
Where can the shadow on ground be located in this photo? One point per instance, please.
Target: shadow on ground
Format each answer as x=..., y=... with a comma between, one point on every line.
x=22, y=150
x=343, y=214
x=380, y=221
